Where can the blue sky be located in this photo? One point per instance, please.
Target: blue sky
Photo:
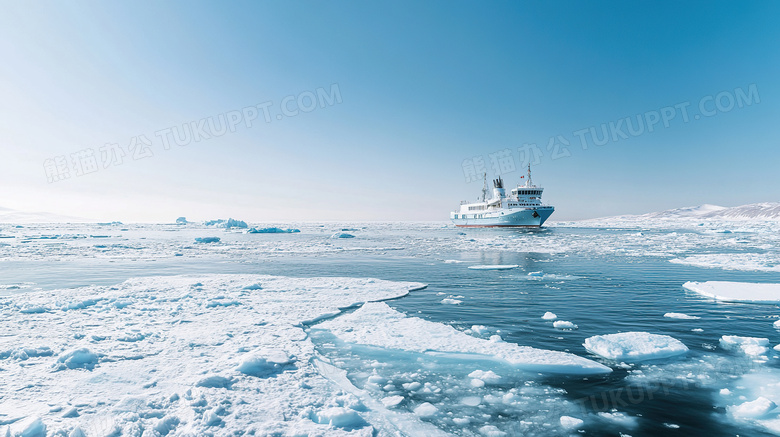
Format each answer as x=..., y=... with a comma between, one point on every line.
x=422, y=87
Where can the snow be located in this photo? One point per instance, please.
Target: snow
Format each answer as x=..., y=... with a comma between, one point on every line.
x=549, y=316
x=752, y=346
x=376, y=324
x=736, y=291
x=191, y=367
x=494, y=267
x=681, y=316
x=634, y=346
x=562, y=324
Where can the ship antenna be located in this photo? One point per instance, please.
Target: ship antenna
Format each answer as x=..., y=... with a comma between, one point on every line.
x=484, y=186
x=528, y=182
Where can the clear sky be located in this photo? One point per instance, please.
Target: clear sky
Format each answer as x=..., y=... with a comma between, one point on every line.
x=387, y=105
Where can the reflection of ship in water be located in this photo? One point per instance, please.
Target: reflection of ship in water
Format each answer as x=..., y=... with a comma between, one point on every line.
x=521, y=208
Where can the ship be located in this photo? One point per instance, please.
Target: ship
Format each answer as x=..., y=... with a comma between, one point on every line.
x=522, y=208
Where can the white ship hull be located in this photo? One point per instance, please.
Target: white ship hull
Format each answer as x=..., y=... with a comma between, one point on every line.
x=507, y=218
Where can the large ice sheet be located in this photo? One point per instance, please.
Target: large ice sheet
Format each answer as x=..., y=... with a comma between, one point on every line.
x=736, y=291
x=634, y=346
x=376, y=324
x=179, y=355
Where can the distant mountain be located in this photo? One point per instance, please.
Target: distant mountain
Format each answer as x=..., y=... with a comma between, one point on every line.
x=755, y=211
x=19, y=217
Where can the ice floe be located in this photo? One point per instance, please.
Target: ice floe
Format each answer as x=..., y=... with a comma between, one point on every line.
x=681, y=316
x=634, y=346
x=549, y=316
x=376, y=324
x=563, y=324
x=736, y=291
x=166, y=362
x=494, y=267
x=752, y=346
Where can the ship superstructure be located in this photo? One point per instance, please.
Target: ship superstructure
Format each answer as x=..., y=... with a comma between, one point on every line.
x=521, y=208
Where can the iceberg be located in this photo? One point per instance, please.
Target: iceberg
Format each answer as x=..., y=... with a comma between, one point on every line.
x=736, y=291
x=378, y=325
x=634, y=346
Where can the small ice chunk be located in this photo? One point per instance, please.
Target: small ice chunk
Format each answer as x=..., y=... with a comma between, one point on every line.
x=569, y=422
x=426, y=409
x=491, y=431
x=725, y=392
x=619, y=418
x=461, y=421
x=215, y=381
x=471, y=401
x=549, y=316
x=752, y=346
x=31, y=426
x=451, y=301
x=263, y=363
x=681, y=316
x=206, y=240
x=479, y=329
x=272, y=231
x=490, y=377
x=411, y=386
x=777, y=324
x=562, y=324
x=697, y=330
x=342, y=235
x=671, y=425
x=634, y=346
x=494, y=267
x=392, y=401
x=81, y=358
x=752, y=409
x=477, y=383
x=536, y=274
x=777, y=348
x=340, y=417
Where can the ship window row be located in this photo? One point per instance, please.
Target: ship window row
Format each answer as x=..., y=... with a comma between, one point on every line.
x=476, y=208
x=529, y=193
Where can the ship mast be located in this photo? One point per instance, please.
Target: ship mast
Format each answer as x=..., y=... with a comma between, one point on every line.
x=484, y=186
x=528, y=181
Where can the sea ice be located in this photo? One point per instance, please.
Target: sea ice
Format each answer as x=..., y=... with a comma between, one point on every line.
x=752, y=346
x=244, y=369
x=494, y=267
x=634, y=346
x=569, y=422
x=272, y=231
x=376, y=324
x=736, y=291
x=549, y=316
x=681, y=316
x=426, y=409
x=206, y=240
x=451, y=301
x=342, y=235
x=563, y=324
x=753, y=409
x=777, y=324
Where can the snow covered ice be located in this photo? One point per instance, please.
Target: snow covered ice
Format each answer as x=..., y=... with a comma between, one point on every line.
x=736, y=291
x=634, y=346
x=170, y=352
